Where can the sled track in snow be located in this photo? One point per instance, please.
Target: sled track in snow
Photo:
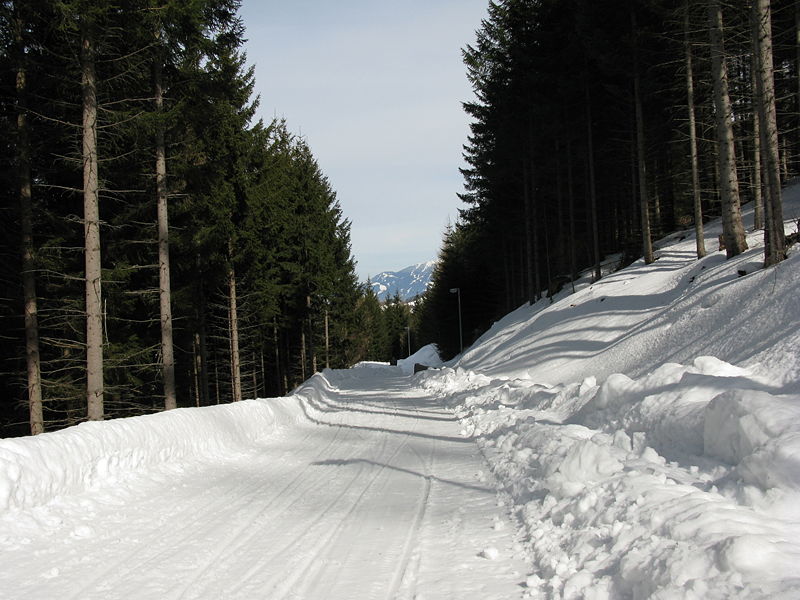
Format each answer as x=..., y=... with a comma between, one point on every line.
x=311, y=566
x=196, y=524
x=413, y=532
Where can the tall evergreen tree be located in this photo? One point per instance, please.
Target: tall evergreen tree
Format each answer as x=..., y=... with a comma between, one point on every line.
x=732, y=228
x=767, y=117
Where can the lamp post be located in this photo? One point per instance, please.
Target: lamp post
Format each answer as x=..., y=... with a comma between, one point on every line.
x=457, y=291
x=408, y=338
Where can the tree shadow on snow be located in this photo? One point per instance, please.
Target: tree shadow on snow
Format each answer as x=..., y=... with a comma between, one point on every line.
x=338, y=462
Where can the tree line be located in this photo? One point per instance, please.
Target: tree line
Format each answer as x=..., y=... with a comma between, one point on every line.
x=597, y=127
x=159, y=248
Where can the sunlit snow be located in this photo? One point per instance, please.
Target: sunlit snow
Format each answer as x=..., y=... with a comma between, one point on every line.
x=639, y=438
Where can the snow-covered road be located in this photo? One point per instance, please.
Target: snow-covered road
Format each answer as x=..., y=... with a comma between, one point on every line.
x=371, y=495
x=645, y=431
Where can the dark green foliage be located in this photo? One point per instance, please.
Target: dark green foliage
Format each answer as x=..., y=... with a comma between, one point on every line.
x=244, y=195
x=547, y=74
x=397, y=317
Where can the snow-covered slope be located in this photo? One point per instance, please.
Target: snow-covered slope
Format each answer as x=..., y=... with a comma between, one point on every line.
x=409, y=282
x=647, y=427
x=673, y=310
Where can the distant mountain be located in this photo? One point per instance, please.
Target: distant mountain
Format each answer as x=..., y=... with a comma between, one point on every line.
x=410, y=282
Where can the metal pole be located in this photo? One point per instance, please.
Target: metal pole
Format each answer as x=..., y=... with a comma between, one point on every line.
x=408, y=334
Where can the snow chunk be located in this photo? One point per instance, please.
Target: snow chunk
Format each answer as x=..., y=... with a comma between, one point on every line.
x=758, y=433
x=588, y=461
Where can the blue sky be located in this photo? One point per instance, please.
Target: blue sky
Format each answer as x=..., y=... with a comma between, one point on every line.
x=375, y=87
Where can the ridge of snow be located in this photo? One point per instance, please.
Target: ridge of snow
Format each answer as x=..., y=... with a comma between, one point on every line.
x=647, y=427
x=35, y=470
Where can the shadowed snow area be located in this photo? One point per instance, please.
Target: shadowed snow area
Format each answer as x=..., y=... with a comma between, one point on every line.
x=639, y=438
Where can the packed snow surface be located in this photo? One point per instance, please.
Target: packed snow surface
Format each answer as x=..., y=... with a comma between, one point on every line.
x=638, y=438
x=359, y=485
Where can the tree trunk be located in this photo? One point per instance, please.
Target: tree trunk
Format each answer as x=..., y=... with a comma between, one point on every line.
x=758, y=187
x=732, y=227
x=573, y=259
x=255, y=377
x=698, y=206
x=302, y=353
x=164, y=292
x=311, y=350
x=774, y=246
x=560, y=218
x=198, y=367
x=327, y=343
x=263, y=370
x=532, y=227
x=592, y=190
x=278, y=372
x=534, y=224
x=507, y=278
x=647, y=242
x=797, y=90
x=216, y=379
x=205, y=388
x=236, y=378
x=32, y=357
x=91, y=210
x=530, y=290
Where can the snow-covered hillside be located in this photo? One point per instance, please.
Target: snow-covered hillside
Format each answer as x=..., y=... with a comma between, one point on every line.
x=647, y=427
x=639, y=438
x=409, y=282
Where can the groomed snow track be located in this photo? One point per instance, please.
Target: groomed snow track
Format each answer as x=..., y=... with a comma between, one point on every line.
x=366, y=494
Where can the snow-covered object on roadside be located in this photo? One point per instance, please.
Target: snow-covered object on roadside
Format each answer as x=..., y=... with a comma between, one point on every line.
x=427, y=356
x=34, y=470
x=370, y=364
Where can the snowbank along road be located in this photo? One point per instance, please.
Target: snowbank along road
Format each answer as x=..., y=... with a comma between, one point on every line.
x=355, y=494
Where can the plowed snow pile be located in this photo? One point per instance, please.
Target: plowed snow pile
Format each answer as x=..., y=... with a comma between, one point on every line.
x=647, y=427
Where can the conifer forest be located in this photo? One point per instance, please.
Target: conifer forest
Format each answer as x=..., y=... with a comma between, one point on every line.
x=161, y=247
x=599, y=126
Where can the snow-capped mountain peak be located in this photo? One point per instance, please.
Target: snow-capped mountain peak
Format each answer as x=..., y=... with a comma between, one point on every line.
x=409, y=282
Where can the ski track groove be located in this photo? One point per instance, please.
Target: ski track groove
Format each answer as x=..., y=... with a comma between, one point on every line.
x=235, y=539
x=257, y=566
x=310, y=564
x=197, y=588
x=188, y=530
x=305, y=572
x=414, y=529
x=319, y=567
